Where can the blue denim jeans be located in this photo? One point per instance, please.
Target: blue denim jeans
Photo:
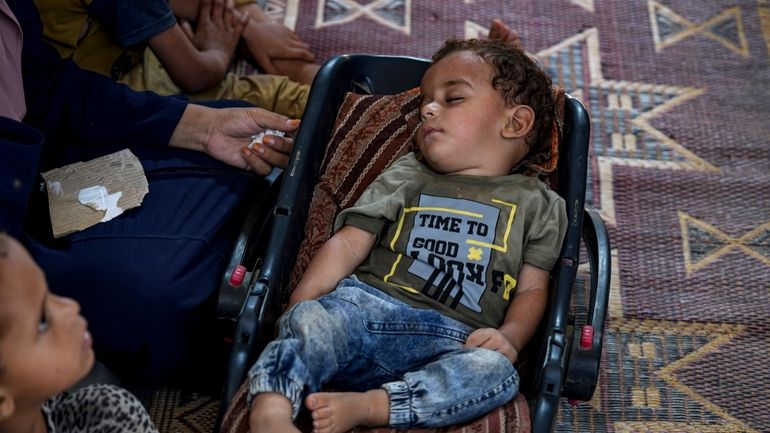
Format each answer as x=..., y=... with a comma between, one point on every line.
x=357, y=338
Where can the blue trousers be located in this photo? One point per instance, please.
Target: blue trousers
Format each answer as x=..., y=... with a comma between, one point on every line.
x=147, y=280
x=357, y=338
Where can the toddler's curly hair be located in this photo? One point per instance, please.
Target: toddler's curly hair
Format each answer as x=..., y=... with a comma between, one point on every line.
x=518, y=78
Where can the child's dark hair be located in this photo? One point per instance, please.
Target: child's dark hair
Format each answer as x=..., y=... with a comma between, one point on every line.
x=518, y=78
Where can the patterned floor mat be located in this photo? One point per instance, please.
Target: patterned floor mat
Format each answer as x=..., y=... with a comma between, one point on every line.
x=680, y=171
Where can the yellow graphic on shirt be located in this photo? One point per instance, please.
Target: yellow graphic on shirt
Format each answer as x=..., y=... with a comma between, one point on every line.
x=510, y=284
x=503, y=248
x=475, y=253
x=400, y=226
x=434, y=232
x=393, y=271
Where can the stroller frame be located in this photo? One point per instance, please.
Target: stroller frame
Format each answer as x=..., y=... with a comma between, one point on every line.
x=565, y=354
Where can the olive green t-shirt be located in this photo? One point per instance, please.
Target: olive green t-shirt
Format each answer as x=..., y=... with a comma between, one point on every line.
x=456, y=243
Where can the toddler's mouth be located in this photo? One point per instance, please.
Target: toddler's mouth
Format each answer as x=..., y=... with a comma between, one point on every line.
x=427, y=131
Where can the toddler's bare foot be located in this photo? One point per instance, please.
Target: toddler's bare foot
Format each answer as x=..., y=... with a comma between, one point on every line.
x=338, y=412
x=271, y=413
x=500, y=31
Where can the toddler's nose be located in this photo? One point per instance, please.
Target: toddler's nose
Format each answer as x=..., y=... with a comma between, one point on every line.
x=428, y=110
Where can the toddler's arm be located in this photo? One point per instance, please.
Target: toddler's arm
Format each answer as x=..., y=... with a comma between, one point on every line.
x=198, y=60
x=522, y=317
x=338, y=257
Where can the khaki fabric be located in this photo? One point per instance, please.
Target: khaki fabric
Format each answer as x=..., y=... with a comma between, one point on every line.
x=271, y=92
x=70, y=29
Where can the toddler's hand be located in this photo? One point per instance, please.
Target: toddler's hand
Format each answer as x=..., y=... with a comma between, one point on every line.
x=492, y=339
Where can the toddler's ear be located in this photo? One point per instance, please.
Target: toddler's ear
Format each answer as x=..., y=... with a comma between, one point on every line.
x=520, y=121
x=7, y=405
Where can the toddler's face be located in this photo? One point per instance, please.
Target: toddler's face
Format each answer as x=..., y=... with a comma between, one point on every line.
x=463, y=119
x=47, y=348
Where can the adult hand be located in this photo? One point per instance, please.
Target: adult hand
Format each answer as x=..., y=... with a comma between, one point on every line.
x=226, y=132
x=266, y=41
x=492, y=339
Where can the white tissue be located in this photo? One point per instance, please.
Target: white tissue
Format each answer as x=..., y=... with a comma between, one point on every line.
x=257, y=139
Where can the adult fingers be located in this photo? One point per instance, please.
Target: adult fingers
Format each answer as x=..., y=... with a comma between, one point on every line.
x=297, y=43
x=217, y=10
x=227, y=13
x=287, y=36
x=274, y=150
x=293, y=53
x=262, y=158
x=240, y=24
x=255, y=162
x=270, y=120
x=280, y=30
x=265, y=63
x=294, y=41
x=187, y=29
x=204, y=11
x=281, y=145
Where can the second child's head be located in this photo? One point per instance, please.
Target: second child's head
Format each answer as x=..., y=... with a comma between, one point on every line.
x=485, y=106
x=45, y=347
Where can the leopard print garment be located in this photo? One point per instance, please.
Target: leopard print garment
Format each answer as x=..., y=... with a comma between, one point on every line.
x=97, y=409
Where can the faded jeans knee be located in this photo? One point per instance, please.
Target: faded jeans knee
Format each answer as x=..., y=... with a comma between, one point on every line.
x=311, y=345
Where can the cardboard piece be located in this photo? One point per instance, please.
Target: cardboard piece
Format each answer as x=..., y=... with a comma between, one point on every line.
x=83, y=194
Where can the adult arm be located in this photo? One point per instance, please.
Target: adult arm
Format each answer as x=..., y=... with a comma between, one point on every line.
x=225, y=132
x=336, y=259
x=69, y=104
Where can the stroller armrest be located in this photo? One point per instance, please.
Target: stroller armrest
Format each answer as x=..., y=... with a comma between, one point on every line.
x=247, y=331
x=586, y=351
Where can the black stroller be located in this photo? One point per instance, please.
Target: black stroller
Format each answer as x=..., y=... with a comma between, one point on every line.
x=564, y=355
